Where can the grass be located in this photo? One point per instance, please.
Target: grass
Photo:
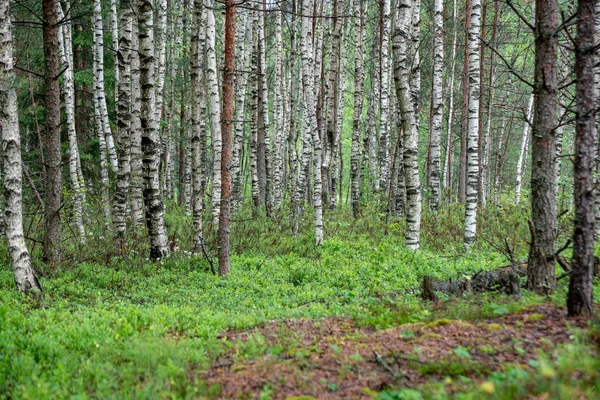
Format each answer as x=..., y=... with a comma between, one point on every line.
x=125, y=327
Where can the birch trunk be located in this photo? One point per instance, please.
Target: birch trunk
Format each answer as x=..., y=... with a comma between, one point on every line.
x=278, y=121
x=523, y=152
x=384, y=129
x=358, y=106
x=77, y=182
x=473, y=125
x=25, y=279
x=160, y=52
x=464, y=126
x=438, y=107
x=244, y=51
x=114, y=28
x=136, y=181
x=198, y=122
x=265, y=160
x=99, y=92
x=407, y=111
x=103, y=160
x=123, y=118
x=448, y=160
x=150, y=141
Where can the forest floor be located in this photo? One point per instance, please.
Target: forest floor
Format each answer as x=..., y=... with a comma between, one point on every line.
x=332, y=358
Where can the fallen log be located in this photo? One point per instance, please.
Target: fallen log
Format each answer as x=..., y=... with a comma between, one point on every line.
x=505, y=279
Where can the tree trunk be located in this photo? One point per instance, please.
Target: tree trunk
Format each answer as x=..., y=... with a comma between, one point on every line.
x=99, y=91
x=523, y=152
x=462, y=176
x=358, y=107
x=136, y=180
x=580, y=298
x=448, y=160
x=409, y=126
x=473, y=125
x=51, y=138
x=11, y=161
x=226, y=131
x=123, y=118
x=277, y=167
x=541, y=272
x=384, y=130
x=438, y=107
x=155, y=221
x=77, y=182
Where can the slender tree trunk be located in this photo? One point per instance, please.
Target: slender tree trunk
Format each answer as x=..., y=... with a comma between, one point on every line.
x=99, y=91
x=473, y=125
x=105, y=190
x=123, y=118
x=136, y=180
x=244, y=51
x=51, y=136
x=384, y=130
x=448, y=160
x=358, y=107
x=155, y=221
x=438, y=106
x=278, y=150
x=523, y=152
x=214, y=106
x=25, y=279
x=198, y=122
x=580, y=299
x=462, y=176
x=542, y=264
x=114, y=28
x=227, y=128
x=160, y=52
x=77, y=182
x=409, y=126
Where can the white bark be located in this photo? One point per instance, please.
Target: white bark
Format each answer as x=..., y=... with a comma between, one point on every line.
x=99, y=92
x=12, y=166
x=438, y=106
x=136, y=181
x=123, y=118
x=214, y=107
x=160, y=53
x=473, y=125
x=198, y=121
x=244, y=50
x=408, y=122
x=358, y=106
x=114, y=28
x=384, y=143
x=523, y=152
x=103, y=155
x=77, y=182
x=278, y=123
x=150, y=141
x=447, y=175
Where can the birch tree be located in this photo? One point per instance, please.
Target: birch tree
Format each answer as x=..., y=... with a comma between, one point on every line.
x=136, y=179
x=523, y=151
x=25, y=279
x=473, y=125
x=384, y=133
x=150, y=141
x=123, y=118
x=438, y=108
x=75, y=174
x=449, y=158
x=358, y=106
x=99, y=92
x=400, y=43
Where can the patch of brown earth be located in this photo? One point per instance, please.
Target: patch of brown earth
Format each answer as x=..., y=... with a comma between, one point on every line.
x=332, y=359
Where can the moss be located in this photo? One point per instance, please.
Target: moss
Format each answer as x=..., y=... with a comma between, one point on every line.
x=535, y=317
x=439, y=322
x=494, y=327
x=431, y=336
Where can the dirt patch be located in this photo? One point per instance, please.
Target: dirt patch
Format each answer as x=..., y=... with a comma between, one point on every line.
x=333, y=359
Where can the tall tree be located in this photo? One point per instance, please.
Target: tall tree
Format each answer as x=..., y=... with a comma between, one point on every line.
x=75, y=174
x=155, y=220
x=524, y=149
x=11, y=160
x=51, y=138
x=408, y=122
x=227, y=133
x=464, y=126
x=449, y=158
x=123, y=118
x=542, y=264
x=438, y=107
x=580, y=299
x=358, y=107
x=473, y=125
